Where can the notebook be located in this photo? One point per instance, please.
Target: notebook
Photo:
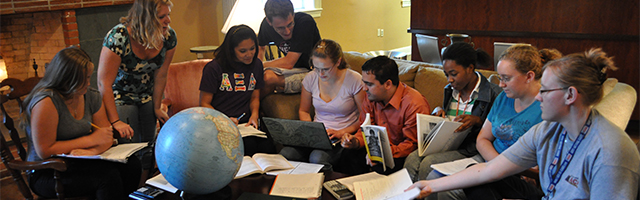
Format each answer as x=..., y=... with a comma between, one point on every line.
x=298, y=133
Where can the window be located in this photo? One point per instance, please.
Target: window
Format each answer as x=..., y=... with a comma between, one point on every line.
x=311, y=7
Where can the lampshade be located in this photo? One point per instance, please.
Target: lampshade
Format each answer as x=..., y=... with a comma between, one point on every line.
x=249, y=12
x=3, y=70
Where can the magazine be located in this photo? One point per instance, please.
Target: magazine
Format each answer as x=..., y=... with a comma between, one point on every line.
x=376, y=142
x=436, y=134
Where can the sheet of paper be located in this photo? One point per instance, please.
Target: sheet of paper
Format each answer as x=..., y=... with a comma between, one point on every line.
x=410, y=194
x=160, y=182
x=298, y=185
x=453, y=167
x=348, y=181
x=298, y=168
x=383, y=188
x=250, y=131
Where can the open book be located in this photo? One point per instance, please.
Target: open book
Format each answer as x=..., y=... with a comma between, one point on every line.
x=436, y=134
x=118, y=153
x=386, y=187
x=250, y=131
x=377, y=144
x=308, y=186
x=448, y=168
x=298, y=168
x=262, y=163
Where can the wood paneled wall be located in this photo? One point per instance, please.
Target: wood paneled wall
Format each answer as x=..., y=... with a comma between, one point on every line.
x=569, y=26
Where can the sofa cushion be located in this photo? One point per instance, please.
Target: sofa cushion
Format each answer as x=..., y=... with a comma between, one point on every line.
x=355, y=60
x=431, y=85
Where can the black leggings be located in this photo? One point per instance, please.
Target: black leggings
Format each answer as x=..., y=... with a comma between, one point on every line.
x=104, y=179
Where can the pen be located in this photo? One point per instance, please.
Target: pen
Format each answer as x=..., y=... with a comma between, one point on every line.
x=94, y=126
x=241, y=116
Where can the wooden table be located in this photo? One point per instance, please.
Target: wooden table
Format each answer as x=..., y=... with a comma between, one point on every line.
x=255, y=183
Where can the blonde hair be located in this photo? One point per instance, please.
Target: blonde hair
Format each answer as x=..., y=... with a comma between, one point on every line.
x=327, y=48
x=528, y=58
x=585, y=71
x=145, y=25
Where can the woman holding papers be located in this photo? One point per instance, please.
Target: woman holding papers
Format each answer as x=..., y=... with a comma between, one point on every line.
x=467, y=99
x=58, y=118
x=514, y=111
x=232, y=81
x=336, y=94
x=581, y=154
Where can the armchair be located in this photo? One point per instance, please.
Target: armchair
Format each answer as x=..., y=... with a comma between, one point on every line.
x=16, y=167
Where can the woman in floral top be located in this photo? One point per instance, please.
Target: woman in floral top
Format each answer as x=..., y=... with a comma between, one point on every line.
x=133, y=68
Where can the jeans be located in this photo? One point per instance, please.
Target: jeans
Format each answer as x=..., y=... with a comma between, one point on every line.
x=104, y=179
x=457, y=194
x=142, y=120
x=420, y=167
x=327, y=158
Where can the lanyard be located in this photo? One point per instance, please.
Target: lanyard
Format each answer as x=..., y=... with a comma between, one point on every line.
x=458, y=105
x=567, y=159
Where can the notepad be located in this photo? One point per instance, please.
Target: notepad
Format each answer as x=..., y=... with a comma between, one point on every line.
x=306, y=186
x=118, y=153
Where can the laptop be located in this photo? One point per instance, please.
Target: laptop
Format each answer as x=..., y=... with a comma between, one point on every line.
x=428, y=48
x=499, y=47
x=299, y=133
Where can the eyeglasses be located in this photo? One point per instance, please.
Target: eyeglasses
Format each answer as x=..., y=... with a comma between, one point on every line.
x=551, y=90
x=507, y=78
x=282, y=29
x=323, y=70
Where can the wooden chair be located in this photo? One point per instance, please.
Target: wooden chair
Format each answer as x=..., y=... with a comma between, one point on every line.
x=19, y=89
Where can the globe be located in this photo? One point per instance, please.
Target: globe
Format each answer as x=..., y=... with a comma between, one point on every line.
x=199, y=150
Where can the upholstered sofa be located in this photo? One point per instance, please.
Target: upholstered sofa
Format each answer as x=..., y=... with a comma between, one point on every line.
x=183, y=81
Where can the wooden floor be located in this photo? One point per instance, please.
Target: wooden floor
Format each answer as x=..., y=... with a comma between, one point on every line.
x=9, y=190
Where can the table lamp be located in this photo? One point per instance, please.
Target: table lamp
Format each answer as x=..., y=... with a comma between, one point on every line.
x=249, y=12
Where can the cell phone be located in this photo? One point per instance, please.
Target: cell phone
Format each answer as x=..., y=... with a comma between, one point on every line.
x=338, y=190
x=148, y=192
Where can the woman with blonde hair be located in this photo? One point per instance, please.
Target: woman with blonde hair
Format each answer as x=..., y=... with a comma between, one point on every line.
x=336, y=94
x=58, y=118
x=133, y=66
x=581, y=154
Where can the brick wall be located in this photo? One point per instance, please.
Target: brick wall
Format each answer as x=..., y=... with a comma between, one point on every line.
x=29, y=36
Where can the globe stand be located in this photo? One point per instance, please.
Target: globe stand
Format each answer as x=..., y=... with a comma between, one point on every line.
x=224, y=193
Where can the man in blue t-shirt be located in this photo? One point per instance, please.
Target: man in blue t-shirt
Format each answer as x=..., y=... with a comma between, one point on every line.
x=294, y=34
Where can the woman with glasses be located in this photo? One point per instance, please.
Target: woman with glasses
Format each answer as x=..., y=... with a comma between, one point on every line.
x=336, y=95
x=581, y=154
x=514, y=111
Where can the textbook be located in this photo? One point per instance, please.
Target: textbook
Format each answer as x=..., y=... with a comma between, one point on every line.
x=262, y=163
x=308, y=186
x=118, y=153
x=376, y=142
x=246, y=131
x=386, y=187
x=298, y=168
x=436, y=134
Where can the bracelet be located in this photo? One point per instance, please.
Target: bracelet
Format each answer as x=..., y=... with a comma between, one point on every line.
x=117, y=120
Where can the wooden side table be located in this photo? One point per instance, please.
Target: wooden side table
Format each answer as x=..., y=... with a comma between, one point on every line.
x=202, y=49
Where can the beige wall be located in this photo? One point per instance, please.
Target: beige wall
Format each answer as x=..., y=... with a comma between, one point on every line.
x=352, y=23
x=197, y=23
